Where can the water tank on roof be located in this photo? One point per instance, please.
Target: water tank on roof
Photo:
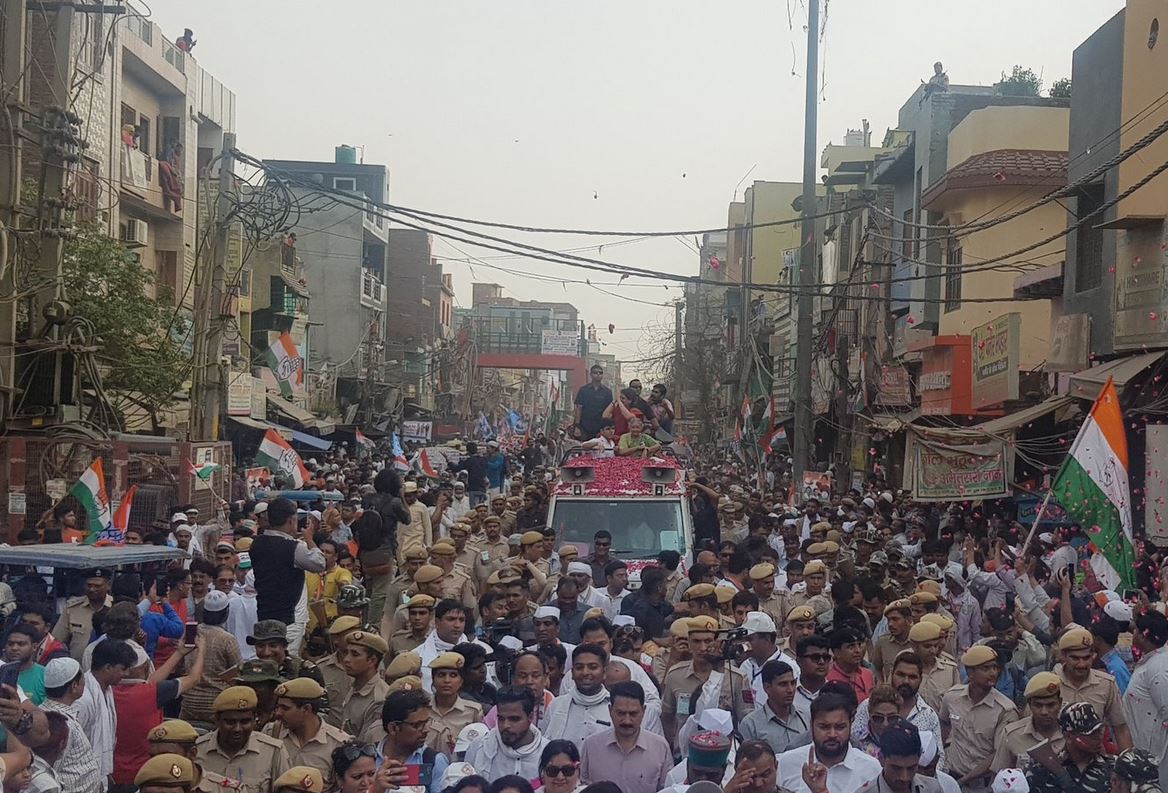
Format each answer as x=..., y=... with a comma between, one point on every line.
x=346, y=155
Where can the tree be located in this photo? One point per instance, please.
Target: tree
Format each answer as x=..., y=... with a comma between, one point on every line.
x=1061, y=88
x=1021, y=82
x=140, y=353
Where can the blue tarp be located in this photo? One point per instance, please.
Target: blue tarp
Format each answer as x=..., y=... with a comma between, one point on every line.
x=310, y=440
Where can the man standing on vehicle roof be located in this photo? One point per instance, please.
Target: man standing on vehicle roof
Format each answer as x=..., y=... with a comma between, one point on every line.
x=589, y=405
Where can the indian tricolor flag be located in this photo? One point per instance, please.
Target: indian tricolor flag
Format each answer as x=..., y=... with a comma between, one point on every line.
x=286, y=364
x=275, y=454
x=1092, y=486
x=91, y=493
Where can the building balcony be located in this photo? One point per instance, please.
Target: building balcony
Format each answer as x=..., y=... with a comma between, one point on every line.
x=372, y=290
x=140, y=186
x=148, y=56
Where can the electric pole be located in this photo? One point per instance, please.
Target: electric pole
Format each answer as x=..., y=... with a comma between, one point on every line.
x=212, y=310
x=678, y=347
x=808, y=271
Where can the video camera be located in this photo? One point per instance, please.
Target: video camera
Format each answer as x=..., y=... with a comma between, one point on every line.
x=504, y=656
x=736, y=645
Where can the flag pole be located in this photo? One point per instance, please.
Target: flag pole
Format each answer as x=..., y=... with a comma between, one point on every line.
x=1037, y=519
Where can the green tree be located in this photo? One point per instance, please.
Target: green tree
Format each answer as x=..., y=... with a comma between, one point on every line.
x=140, y=353
x=1021, y=82
x=1061, y=88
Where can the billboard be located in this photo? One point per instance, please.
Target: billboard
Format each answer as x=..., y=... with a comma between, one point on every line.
x=994, y=357
x=417, y=431
x=940, y=472
x=894, y=388
x=1070, y=345
x=239, y=394
x=560, y=342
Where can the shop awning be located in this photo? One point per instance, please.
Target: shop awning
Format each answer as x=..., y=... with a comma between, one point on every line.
x=297, y=414
x=311, y=440
x=1006, y=424
x=893, y=422
x=1087, y=383
x=250, y=423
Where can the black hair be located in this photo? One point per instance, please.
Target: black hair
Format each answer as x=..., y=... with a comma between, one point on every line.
x=773, y=669
x=472, y=781
x=602, y=787
x=670, y=560
x=829, y=701
x=113, y=652
x=910, y=658
x=603, y=534
x=614, y=566
x=630, y=689
x=516, y=694
x=556, y=747
x=280, y=511
x=25, y=630
x=738, y=563
x=511, y=782
x=564, y=581
x=807, y=642
x=841, y=691
x=652, y=578
x=745, y=598
x=753, y=750
x=61, y=510
x=1106, y=629
x=590, y=649
x=176, y=577
x=446, y=606
x=126, y=586
x=488, y=599
x=697, y=572
x=851, y=618
x=900, y=739
x=388, y=481
x=795, y=566
x=350, y=752
x=223, y=567
x=537, y=655
x=205, y=566
x=870, y=590
x=400, y=704
x=596, y=624
x=557, y=653
x=1154, y=626
x=842, y=592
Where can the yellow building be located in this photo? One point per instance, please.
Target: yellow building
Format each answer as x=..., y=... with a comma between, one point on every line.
x=999, y=159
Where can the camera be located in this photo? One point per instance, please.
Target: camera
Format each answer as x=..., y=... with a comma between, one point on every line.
x=736, y=645
x=504, y=656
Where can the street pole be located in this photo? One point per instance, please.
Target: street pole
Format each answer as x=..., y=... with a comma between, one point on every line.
x=211, y=311
x=808, y=272
x=677, y=347
x=10, y=192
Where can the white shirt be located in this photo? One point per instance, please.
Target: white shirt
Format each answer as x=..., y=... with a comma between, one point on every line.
x=948, y=784
x=98, y=718
x=752, y=669
x=847, y=776
x=492, y=759
x=611, y=604
x=1145, y=704
x=637, y=675
x=571, y=721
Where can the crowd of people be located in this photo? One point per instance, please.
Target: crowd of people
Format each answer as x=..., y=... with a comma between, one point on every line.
x=433, y=635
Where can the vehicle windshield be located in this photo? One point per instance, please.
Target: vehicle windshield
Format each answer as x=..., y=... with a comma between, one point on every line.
x=640, y=528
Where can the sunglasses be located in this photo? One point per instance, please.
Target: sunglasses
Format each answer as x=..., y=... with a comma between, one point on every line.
x=880, y=719
x=560, y=770
x=352, y=751
x=817, y=657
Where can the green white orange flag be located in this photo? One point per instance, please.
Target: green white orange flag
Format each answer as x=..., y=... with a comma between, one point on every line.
x=286, y=364
x=275, y=454
x=1092, y=485
x=91, y=493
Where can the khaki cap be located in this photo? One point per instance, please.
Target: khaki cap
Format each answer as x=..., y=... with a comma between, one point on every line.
x=531, y=537
x=702, y=624
x=448, y=661
x=593, y=612
x=406, y=683
x=698, y=591
x=724, y=594
x=416, y=553
x=836, y=537
x=509, y=575
x=813, y=567
x=404, y=664
x=369, y=640
x=823, y=526
x=493, y=578
x=931, y=587
x=897, y=605
x=235, y=698
x=1077, y=639
x=817, y=548
x=1043, y=684
x=428, y=573
x=443, y=548
x=922, y=598
x=300, y=778
x=761, y=572
x=940, y=620
x=830, y=546
x=166, y=769
x=924, y=632
x=243, y=544
x=680, y=628
x=569, y=550
x=421, y=601
x=801, y=614
x=341, y=624
x=492, y=519
x=300, y=688
x=979, y=654
x=173, y=731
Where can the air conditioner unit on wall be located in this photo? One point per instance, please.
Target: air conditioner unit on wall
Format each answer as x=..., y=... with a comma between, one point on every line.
x=136, y=233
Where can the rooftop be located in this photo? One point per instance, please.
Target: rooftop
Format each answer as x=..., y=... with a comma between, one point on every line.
x=1002, y=168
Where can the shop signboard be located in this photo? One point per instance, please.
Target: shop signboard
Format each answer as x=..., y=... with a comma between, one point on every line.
x=939, y=472
x=560, y=342
x=994, y=357
x=1070, y=345
x=239, y=394
x=894, y=387
x=417, y=431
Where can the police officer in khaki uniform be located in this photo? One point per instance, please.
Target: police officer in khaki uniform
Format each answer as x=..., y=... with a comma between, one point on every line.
x=166, y=773
x=299, y=726
x=405, y=666
x=500, y=508
x=420, y=615
x=493, y=551
x=302, y=779
x=1044, y=700
x=1081, y=682
x=427, y=581
x=336, y=682
x=270, y=639
x=531, y=565
x=450, y=712
x=898, y=614
x=972, y=716
x=940, y=671
x=465, y=552
x=396, y=594
x=361, y=711
x=250, y=760
x=179, y=737
x=684, y=680
x=762, y=582
x=75, y=626
x=799, y=624
x=725, y=596
x=948, y=634
x=456, y=584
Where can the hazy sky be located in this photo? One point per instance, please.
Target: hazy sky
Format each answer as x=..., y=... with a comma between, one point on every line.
x=629, y=115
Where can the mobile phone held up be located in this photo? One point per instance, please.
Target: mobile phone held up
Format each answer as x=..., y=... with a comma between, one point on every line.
x=419, y=774
x=189, y=633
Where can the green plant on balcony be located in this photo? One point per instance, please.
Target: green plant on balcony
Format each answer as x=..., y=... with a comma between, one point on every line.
x=1021, y=82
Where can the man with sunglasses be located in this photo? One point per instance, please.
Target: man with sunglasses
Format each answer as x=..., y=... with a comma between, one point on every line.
x=813, y=654
x=406, y=716
x=600, y=557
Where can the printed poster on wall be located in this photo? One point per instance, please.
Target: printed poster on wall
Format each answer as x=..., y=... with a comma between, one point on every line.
x=994, y=354
x=939, y=472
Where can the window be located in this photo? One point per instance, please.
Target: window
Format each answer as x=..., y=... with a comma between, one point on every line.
x=86, y=189
x=346, y=183
x=167, y=275
x=1088, y=240
x=245, y=283
x=953, y=276
x=908, y=248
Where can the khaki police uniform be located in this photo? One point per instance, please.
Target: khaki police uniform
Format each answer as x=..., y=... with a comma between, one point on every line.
x=337, y=685
x=316, y=752
x=1017, y=740
x=405, y=642
x=253, y=769
x=445, y=726
x=492, y=558
x=361, y=713
x=682, y=684
x=1101, y=691
x=884, y=652
x=75, y=625
x=936, y=681
x=775, y=607
x=457, y=585
x=973, y=727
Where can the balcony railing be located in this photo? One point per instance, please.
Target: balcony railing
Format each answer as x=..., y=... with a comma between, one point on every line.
x=140, y=27
x=372, y=290
x=174, y=56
